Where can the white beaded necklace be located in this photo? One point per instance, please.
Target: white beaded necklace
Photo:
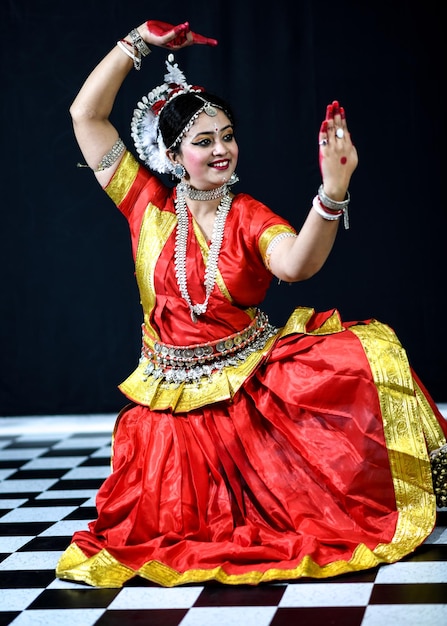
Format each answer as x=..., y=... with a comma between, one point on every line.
x=213, y=257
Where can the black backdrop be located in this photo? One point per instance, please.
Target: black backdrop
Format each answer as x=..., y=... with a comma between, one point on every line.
x=70, y=316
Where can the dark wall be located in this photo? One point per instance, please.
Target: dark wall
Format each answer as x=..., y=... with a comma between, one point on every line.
x=70, y=316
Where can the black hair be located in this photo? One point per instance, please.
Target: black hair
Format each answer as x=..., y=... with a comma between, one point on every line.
x=177, y=113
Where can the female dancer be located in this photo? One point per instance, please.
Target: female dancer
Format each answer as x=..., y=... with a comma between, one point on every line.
x=248, y=453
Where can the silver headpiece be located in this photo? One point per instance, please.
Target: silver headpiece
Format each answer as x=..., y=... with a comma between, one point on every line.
x=144, y=126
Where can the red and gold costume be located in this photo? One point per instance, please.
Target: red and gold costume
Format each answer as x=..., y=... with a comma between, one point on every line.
x=306, y=457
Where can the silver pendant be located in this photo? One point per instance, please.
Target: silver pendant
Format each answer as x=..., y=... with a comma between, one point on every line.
x=210, y=110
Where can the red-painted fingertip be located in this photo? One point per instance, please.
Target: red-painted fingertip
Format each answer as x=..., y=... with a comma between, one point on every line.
x=323, y=128
x=203, y=40
x=181, y=28
x=342, y=113
x=329, y=112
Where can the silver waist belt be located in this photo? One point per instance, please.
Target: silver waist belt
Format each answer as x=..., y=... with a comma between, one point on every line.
x=191, y=363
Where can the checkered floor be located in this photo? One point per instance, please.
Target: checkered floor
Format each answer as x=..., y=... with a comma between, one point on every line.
x=50, y=469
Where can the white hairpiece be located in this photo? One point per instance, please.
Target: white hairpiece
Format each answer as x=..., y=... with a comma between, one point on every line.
x=144, y=126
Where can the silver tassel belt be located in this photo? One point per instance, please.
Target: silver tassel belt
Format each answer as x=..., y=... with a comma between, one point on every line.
x=186, y=364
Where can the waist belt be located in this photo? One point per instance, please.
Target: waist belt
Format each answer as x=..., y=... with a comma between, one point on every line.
x=191, y=363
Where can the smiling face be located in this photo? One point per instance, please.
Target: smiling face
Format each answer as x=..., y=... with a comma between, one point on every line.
x=209, y=151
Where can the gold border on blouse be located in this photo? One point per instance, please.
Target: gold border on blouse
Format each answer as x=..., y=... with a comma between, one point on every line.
x=204, y=249
x=123, y=178
x=267, y=236
x=156, y=228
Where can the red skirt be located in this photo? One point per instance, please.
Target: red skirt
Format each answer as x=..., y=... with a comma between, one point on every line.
x=317, y=467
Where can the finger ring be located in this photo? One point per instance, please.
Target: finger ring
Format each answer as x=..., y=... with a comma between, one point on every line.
x=340, y=133
x=323, y=142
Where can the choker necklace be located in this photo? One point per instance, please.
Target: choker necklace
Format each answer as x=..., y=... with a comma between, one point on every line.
x=181, y=240
x=207, y=194
x=202, y=194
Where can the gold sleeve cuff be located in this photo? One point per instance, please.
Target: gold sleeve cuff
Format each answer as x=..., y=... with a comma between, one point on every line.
x=123, y=178
x=268, y=237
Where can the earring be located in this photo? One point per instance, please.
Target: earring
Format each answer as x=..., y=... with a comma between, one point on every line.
x=234, y=178
x=178, y=170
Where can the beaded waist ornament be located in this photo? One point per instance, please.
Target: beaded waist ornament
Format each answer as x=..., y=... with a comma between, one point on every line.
x=195, y=362
x=438, y=459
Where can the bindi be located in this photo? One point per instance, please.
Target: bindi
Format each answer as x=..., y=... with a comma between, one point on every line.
x=343, y=160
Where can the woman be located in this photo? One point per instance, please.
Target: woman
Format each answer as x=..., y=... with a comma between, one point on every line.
x=248, y=453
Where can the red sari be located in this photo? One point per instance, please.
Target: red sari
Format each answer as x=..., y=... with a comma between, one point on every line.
x=307, y=458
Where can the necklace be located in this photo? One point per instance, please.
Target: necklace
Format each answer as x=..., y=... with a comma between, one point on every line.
x=207, y=194
x=202, y=194
x=213, y=257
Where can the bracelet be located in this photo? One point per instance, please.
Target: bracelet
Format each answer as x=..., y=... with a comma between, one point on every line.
x=316, y=205
x=136, y=59
x=330, y=216
x=332, y=204
x=112, y=155
x=139, y=43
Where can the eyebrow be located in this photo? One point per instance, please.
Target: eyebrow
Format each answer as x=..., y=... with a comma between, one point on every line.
x=212, y=132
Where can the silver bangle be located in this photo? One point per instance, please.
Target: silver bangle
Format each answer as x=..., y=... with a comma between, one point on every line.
x=139, y=43
x=112, y=155
x=324, y=214
x=316, y=205
x=333, y=204
x=136, y=59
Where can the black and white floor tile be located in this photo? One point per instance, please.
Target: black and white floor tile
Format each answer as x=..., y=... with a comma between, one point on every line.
x=50, y=470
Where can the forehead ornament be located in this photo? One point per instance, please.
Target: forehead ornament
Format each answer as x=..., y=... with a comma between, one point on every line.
x=208, y=108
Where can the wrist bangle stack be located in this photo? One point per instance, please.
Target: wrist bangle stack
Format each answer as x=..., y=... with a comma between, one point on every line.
x=325, y=214
x=135, y=58
x=332, y=209
x=138, y=45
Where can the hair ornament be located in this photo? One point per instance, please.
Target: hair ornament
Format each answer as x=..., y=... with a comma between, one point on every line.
x=144, y=125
